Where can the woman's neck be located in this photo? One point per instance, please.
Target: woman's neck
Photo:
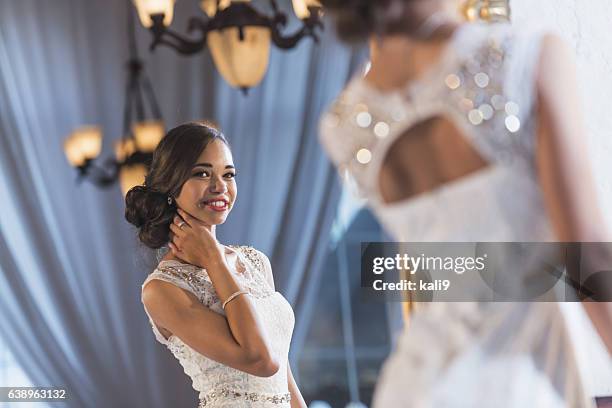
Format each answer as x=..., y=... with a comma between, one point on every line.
x=213, y=231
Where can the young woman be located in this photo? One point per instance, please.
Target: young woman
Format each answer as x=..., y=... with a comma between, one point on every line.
x=470, y=133
x=214, y=306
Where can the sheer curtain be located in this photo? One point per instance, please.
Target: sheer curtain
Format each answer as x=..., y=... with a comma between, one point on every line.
x=70, y=266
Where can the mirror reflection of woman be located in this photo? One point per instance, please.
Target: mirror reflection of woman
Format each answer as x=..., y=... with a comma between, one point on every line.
x=470, y=133
x=212, y=305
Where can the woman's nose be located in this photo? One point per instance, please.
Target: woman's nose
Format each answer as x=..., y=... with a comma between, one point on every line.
x=217, y=185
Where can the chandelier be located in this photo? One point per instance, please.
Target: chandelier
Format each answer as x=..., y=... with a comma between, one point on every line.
x=492, y=11
x=141, y=133
x=236, y=33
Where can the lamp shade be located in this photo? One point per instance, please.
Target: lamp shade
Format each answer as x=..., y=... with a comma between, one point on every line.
x=242, y=63
x=210, y=6
x=300, y=7
x=73, y=153
x=148, y=134
x=124, y=148
x=83, y=144
x=131, y=176
x=147, y=8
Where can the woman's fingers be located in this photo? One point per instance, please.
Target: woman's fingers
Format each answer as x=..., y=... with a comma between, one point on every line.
x=186, y=217
x=174, y=248
x=178, y=232
x=179, y=221
x=176, y=242
x=176, y=251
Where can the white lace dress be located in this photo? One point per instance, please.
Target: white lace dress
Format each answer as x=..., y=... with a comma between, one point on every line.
x=220, y=386
x=465, y=354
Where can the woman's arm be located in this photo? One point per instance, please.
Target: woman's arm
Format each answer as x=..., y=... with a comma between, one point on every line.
x=237, y=340
x=207, y=332
x=564, y=174
x=297, y=401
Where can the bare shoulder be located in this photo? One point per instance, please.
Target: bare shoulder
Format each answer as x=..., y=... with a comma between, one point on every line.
x=553, y=42
x=161, y=297
x=557, y=62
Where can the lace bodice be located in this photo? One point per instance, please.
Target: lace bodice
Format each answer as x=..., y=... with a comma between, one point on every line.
x=477, y=354
x=220, y=386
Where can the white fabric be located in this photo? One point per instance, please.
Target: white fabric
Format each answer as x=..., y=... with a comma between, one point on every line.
x=220, y=386
x=465, y=354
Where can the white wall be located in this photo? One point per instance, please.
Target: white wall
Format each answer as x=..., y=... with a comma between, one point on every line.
x=587, y=26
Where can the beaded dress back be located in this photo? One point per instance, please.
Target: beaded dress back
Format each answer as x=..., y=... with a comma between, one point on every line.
x=465, y=354
x=220, y=386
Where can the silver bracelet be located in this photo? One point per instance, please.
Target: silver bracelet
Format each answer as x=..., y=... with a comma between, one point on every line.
x=234, y=296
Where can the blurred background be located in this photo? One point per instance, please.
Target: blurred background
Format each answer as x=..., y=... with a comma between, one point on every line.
x=77, y=121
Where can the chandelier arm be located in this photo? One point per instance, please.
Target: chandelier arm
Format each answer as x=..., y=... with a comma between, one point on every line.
x=308, y=29
x=135, y=68
x=132, y=47
x=133, y=100
x=290, y=41
x=148, y=88
x=127, y=111
x=138, y=157
x=138, y=98
x=180, y=44
x=166, y=36
x=274, y=6
x=100, y=176
x=278, y=18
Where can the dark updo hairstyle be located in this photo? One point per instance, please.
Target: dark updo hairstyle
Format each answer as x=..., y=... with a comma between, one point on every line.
x=147, y=206
x=357, y=20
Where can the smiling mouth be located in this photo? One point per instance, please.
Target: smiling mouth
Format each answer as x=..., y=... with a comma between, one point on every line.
x=218, y=205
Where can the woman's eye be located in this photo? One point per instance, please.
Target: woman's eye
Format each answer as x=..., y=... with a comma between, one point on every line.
x=201, y=174
x=230, y=175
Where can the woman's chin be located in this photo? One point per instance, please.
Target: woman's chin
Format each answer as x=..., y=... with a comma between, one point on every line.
x=212, y=219
x=209, y=216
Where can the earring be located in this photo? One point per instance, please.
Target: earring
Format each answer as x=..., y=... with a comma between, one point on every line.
x=169, y=200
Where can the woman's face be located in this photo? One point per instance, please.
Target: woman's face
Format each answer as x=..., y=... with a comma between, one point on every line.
x=210, y=191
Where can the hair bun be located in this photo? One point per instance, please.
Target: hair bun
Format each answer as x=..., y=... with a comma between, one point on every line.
x=150, y=212
x=136, y=205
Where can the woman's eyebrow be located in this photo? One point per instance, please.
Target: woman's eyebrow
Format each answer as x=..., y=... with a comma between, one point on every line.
x=229, y=166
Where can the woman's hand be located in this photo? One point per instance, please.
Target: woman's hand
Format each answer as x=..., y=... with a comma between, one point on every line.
x=192, y=241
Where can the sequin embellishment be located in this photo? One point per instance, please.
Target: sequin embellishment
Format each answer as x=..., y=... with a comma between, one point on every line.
x=226, y=393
